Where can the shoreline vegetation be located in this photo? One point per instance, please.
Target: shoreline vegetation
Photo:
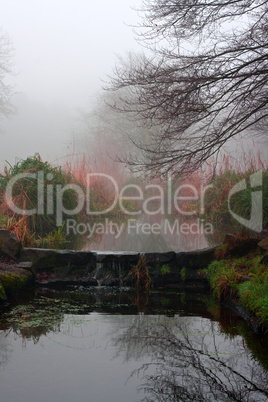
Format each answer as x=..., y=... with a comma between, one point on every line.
x=237, y=273
x=240, y=276
x=205, y=193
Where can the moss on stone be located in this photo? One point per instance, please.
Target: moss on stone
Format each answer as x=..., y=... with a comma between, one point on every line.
x=183, y=274
x=3, y=295
x=17, y=249
x=13, y=282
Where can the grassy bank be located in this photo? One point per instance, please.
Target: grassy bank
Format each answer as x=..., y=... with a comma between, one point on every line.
x=243, y=279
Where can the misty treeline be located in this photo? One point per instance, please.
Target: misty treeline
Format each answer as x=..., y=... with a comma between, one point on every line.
x=200, y=81
x=106, y=137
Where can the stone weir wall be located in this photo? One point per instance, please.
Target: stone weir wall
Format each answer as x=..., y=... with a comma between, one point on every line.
x=101, y=268
x=112, y=268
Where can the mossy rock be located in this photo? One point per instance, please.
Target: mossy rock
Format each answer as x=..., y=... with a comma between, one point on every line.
x=13, y=279
x=17, y=249
x=264, y=243
x=10, y=244
x=28, y=266
x=239, y=246
x=3, y=295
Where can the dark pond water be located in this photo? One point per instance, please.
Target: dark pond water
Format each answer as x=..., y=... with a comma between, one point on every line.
x=88, y=344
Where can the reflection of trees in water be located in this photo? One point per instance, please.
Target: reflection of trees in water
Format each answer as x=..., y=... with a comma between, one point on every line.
x=31, y=322
x=42, y=316
x=5, y=347
x=191, y=362
x=59, y=310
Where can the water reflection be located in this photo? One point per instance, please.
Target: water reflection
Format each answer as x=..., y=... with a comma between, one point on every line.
x=191, y=360
x=170, y=350
x=5, y=348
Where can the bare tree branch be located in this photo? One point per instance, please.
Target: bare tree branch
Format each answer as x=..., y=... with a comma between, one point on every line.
x=205, y=81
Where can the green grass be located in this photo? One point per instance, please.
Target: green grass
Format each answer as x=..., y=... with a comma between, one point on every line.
x=244, y=279
x=165, y=269
x=183, y=274
x=55, y=240
x=254, y=296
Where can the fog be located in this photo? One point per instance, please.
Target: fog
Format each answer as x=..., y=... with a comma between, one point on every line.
x=63, y=51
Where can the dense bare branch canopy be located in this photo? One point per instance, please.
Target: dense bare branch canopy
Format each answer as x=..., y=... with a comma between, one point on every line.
x=202, y=80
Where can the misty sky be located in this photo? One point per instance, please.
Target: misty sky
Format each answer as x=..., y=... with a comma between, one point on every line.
x=62, y=51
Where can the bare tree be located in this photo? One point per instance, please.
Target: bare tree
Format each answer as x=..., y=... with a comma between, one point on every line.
x=6, y=91
x=189, y=362
x=202, y=80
